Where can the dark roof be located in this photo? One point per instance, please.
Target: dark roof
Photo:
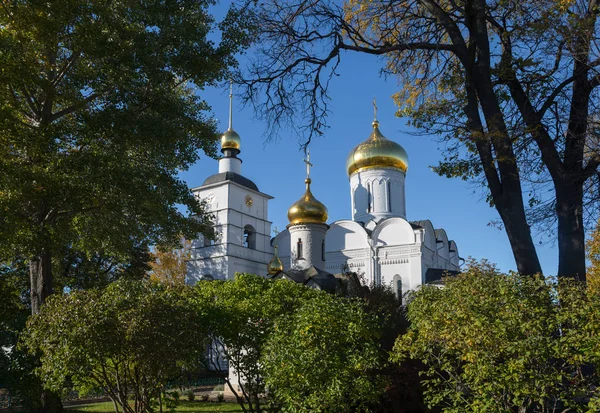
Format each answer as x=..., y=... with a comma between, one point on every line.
x=415, y=226
x=326, y=281
x=233, y=177
x=433, y=275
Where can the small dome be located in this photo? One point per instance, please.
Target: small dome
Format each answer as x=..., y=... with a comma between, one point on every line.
x=377, y=152
x=230, y=140
x=307, y=210
x=275, y=265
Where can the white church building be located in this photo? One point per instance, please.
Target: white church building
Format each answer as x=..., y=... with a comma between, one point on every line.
x=378, y=241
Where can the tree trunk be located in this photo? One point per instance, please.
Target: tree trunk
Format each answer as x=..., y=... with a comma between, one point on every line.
x=513, y=216
x=571, y=235
x=40, y=275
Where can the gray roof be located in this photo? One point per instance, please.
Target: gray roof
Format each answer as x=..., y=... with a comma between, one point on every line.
x=233, y=177
x=324, y=280
x=434, y=275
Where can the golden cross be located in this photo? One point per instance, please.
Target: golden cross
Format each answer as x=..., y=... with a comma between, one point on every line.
x=307, y=162
x=374, y=109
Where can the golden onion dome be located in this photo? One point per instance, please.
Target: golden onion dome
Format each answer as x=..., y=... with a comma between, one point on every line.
x=307, y=210
x=230, y=140
x=376, y=152
x=275, y=265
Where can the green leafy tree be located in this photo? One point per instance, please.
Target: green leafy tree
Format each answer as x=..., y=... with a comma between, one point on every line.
x=242, y=314
x=493, y=342
x=16, y=366
x=250, y=318
x=320, y=358
x=511, y=88
x=128, y=339
x=100, y=109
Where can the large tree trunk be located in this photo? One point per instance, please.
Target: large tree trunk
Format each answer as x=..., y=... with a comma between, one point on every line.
x=40, y=274
x=513, y=216
x=571, y=235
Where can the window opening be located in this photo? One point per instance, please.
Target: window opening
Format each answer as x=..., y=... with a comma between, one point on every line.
x=249, y=237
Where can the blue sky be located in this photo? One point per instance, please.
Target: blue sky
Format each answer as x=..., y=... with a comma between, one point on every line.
x=276, y=166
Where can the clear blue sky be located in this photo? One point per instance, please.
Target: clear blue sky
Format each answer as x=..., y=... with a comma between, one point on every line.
x=277, y=169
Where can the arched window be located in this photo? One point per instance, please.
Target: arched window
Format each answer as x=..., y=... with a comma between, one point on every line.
x=369, y=197
x=323, y=250
x=249, y=240
x=397, y=285
x=299, y=249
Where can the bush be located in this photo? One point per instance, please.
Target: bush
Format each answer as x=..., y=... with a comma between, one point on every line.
x=220, y=397
x=129, y=332
x=189, y=394
x=498, y=342
x=219, y=387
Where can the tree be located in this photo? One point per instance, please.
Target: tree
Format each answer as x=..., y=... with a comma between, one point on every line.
x=242, y=313
x=512, y=87
x=496, y=343
x=321, y=357
x=100, y=111
x=128, y=339
x=253, y=320
x=593, y=249
x=170, y=266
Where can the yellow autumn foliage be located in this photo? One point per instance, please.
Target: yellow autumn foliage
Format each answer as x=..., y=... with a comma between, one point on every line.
x=593, y=254
x=170, y=266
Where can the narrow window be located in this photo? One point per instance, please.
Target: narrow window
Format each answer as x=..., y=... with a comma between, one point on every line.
x=323, y=250
x=397, y=285
x=389, y=196
x=299, y=248
x=369, y=197
x=399, y=288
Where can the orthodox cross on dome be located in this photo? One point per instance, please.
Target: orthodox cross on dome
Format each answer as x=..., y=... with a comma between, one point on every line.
x=275, y=230
x=230, y=104
x=375, y=109
x=307, y=162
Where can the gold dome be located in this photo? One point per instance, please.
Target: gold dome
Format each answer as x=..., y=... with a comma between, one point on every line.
x=275, y=265
x=230, y=140
x=376, y=152
x=307, y=210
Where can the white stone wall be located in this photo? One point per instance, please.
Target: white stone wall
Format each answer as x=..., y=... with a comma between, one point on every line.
x=377, y=194
x=229, y=164
x=312, y=238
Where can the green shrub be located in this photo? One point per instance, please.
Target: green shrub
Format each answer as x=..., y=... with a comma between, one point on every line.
x=189, y=394
x=220, y=397
x=219, y=387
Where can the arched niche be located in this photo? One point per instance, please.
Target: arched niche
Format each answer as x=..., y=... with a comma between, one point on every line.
x=346, y=235
x=393, y=231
